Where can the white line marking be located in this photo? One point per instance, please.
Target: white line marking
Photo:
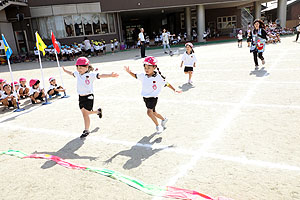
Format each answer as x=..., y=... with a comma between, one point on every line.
x=95, y=139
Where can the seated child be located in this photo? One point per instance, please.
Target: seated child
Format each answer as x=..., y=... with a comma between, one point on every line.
x=8, y=97
x=24, y=90
x=35, y=92
x=17, y=89
x=2, y=82
x=54, y=89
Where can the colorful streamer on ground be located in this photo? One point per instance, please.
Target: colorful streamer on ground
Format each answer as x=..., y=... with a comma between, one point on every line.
x=167, y=192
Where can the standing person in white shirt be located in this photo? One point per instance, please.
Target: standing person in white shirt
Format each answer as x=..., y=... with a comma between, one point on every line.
x=88, y=46
x=240, y=39
x=142, y=41
x=189, y=61
x=165, y=36
x=152, y=83
x=85, y=78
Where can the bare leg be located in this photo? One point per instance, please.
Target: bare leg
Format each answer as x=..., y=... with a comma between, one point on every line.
x=158, y=115
x=190, y=75
x=150, y=113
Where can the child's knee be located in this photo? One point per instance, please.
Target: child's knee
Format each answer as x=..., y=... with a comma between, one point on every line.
x=150, y=112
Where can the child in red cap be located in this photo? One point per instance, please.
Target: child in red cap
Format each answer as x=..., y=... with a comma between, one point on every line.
x=54, y=89
x=85, y=78
x=24, y=90
x=36, y=93
x=152, y=83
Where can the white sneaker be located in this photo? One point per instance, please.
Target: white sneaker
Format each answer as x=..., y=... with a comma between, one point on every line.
x=163, y=122
x=159, y=129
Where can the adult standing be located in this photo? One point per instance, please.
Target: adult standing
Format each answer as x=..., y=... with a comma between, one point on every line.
x=297, y=31
x=87, y=46
x=142, y=42
x=165, y=36
x=258, y=37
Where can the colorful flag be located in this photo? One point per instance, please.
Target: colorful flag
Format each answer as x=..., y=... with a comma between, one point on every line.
x=40, y=44
x=55, y=44
x=7, y=49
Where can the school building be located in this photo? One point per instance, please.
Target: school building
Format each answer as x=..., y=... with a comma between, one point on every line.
x=72, y=20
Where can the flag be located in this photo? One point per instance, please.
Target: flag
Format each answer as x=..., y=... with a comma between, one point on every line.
x=55, y=44
x=40, y=45
x=7, y=49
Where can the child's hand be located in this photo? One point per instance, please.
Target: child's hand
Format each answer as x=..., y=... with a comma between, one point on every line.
x=113, y=74
x=178, y=91
x=127, y=69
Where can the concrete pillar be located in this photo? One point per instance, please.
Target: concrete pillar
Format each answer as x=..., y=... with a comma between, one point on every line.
x=200, y=22
x=188, y=23
x=281, y=12
x=257, y=9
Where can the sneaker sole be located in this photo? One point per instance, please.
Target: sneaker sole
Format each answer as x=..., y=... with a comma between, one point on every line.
x=100, y=113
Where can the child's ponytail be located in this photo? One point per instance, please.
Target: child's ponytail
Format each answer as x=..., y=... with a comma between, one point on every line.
x=160, y=73
x=90, y=68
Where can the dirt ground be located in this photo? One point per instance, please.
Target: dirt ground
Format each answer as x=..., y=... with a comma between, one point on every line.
x=235, y=133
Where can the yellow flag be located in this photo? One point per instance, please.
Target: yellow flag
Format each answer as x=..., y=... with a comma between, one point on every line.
x=40, y=44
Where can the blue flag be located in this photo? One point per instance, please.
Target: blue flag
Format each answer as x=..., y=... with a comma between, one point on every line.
x=8, y=50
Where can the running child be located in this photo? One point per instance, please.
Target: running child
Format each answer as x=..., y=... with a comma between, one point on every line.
x=85, y=78
x=152, y=83
x=36, y=93
x=189, y=61
x=24, y=90
x=8, y=98
x=54, y=89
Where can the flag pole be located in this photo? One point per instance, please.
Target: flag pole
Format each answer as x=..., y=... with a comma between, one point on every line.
x=46, y=103
x=59, y=69
x=14, y=88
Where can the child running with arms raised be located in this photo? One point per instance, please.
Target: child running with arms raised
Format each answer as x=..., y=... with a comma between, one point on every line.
x=152, y=83
x=85, y=78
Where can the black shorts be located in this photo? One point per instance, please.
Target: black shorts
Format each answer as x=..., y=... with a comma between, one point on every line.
x=151, y=102
x=188, y=69
x=240, y=40
x=248, y=39
x=86, y=102
x=104, y=48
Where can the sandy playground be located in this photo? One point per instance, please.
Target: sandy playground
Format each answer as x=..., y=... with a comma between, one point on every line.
x=235, y=133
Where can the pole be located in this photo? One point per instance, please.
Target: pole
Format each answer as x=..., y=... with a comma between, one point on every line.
x=59, y=69
x=14, y=88
x=46, y=103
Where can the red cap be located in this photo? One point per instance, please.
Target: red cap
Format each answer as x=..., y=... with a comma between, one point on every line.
x=51, y=79
x=150, y=60
x=22, y=79
x=82, y=61
x=15, y=82
x=33, y=82
x=189, y=44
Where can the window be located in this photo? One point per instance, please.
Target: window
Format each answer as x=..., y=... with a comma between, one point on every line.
x=78, y=25
x=75, y=25
x=103, y=22
x=111, y=22
x=87, y=23
x=69, y=26
x=96, y=24
x=226, y=22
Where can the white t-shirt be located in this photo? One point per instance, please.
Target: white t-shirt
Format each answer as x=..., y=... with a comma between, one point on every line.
x=165, y=37
x=151, y=86
x=36, y=52
x=85, y=82
x=4, y=95
x=116, y=43
x=188, y=59
x=87, y=44
x=51, y=87
x=141, y=36
x=298, y=28
x=32, y=91
x=240, y=36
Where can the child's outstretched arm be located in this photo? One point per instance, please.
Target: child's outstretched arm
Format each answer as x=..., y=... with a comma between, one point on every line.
x=181, y=64
x=130, y=72
x=113, y=75
x=67, y=71
x=170, y=86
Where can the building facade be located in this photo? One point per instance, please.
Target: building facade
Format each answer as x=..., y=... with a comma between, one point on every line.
x=73, y=20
